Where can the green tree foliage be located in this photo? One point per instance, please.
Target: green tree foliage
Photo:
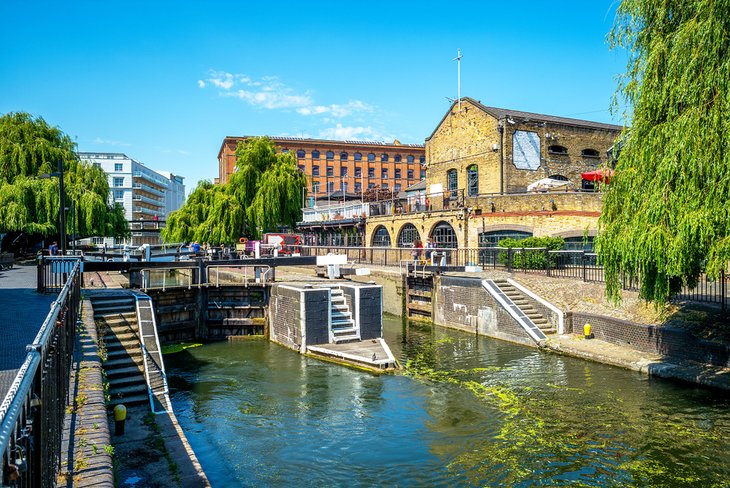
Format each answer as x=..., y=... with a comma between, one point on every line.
x=666, y=213
x=264, y=193
x=29, y=147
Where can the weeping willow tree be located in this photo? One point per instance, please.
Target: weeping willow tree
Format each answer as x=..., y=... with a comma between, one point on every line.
x=666, y=215
x=29, y=147
x=264, y=193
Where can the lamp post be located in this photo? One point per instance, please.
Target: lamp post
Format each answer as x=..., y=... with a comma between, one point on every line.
x=62, y=204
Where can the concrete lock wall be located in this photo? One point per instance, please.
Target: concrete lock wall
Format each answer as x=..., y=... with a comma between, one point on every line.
x=462, y=303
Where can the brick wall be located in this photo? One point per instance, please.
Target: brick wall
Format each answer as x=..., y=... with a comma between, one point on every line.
x=284, y=316
x=670, y=342
x=463, y=303
x=371, y=312
x=469, y=137
x=316, y=313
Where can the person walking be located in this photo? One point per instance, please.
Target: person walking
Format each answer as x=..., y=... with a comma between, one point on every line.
x=53, y=249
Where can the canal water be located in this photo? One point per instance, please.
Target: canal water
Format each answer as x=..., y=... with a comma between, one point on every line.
x=470, y=411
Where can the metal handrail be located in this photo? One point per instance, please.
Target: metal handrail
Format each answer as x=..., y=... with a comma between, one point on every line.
x=263, y=277
x=23, y=415
x=146, y=354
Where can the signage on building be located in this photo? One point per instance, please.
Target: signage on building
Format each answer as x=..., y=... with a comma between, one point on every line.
x=526, y=150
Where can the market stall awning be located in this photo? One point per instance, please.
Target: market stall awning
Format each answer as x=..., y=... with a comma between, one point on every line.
x=550, y=184
x=602, y=175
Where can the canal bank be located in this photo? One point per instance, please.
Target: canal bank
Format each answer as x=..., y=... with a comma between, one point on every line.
x=631, y=335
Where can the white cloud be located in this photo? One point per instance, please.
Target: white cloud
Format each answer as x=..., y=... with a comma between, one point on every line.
x=270, y=93
x=341, y=132
x=336, y=110
x=108, y=142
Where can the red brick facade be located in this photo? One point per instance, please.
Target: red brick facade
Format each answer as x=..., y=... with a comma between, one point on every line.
x=351, y=165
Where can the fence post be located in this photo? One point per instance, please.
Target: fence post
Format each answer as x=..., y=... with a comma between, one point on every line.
x=509, y=259
x=583, y=258
x=547, y=261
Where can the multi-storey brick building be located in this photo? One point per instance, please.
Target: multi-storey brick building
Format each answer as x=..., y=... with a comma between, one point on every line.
x=347, y=166
x=480, y=161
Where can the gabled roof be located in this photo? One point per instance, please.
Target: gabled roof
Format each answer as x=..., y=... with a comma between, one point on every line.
x=502, y=113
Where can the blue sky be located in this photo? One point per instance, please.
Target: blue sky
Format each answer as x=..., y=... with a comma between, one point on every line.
x=165, y=82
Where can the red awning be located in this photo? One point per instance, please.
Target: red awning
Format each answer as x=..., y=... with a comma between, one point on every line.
x=603, y=175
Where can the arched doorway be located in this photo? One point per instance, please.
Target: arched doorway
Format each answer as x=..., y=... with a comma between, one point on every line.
x=381, y=237
x=443, y=236
x=408, y=235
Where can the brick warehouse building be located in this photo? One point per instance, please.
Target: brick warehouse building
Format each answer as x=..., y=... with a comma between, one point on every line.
x=480, y=161
x=336, y=166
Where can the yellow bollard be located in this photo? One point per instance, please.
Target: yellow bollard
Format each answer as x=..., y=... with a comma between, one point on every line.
x=587, y=330
x=120, y=415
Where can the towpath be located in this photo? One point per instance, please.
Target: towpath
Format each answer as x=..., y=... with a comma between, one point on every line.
x=22, y=312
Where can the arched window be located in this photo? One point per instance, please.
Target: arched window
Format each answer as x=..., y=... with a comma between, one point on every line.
x=589, y=153
x=330, y=155
x=315, y=154
x=472, y=180
x=381, y=238
x=410, y=158
x=300, y=153
x=407, y=235
x=343, y=156
x=578, y=244
x=491, y=239
x=383, y=158
x=358, y=156
x=558, y=177
x=443, y=235
x=452, y=180
x=422, y=159
x=371, y=157
x=397, y=158
x=555, y=149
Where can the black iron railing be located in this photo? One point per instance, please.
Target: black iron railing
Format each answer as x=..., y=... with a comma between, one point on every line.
x=32, y=413
x=53, y=272
x=579, y=265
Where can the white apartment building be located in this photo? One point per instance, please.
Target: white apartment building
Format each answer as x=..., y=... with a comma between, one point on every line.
x=146, y=195
x=175, y=195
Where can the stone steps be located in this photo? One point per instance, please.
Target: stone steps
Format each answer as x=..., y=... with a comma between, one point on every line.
x=519, y=299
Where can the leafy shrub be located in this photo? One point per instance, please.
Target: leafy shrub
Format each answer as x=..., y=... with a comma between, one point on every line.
x=530, y=259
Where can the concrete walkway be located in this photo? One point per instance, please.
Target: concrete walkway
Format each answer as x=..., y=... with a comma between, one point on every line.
x=22, y=312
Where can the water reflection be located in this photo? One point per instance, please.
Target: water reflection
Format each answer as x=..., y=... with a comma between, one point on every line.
x=473, y=411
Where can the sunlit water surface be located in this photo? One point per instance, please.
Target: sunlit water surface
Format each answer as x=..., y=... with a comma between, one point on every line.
x=472, y=412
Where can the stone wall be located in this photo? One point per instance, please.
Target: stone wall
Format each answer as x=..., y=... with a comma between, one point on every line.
x=462, y=139
x=670, y=342
x=462, y=303
x=473, y=136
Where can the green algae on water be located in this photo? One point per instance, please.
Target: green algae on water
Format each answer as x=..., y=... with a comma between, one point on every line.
x=179, y=347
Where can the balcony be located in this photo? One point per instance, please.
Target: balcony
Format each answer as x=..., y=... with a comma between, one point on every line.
x=151, y=201
x=157, y=182
x=336, y=211
x=148, y=189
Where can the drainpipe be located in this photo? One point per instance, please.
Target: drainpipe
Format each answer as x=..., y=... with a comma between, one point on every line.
x=500, y=128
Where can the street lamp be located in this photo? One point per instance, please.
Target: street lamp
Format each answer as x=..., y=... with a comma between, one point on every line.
x=62, y=211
